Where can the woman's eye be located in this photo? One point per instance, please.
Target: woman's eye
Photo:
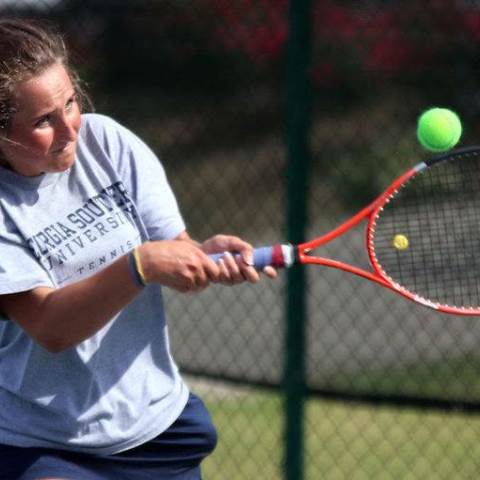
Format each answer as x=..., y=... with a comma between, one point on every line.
x=71, y=102
x=43, y=121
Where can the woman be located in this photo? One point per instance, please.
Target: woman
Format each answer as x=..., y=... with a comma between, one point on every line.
x=89, y=232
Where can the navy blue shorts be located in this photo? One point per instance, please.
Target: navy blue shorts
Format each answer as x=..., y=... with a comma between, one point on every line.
x=174, y=455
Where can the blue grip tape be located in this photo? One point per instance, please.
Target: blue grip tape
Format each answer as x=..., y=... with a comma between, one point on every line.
x=262, y=257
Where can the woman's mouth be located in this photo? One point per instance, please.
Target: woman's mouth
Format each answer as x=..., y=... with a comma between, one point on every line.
x=63, y=149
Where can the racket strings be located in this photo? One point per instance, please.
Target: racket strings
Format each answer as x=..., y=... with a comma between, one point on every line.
x=437, y=216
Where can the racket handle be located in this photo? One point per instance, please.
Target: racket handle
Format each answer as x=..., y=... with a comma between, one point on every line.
x=278, y=256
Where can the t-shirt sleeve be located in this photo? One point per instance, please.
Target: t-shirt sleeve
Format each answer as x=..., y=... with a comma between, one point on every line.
x=19, y=269
x=153, y=194
x=145, y=178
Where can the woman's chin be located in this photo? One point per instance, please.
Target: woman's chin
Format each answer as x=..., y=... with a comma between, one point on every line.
x=62, y=164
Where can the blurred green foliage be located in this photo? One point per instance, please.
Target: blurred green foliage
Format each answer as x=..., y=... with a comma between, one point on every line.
x=216, y=50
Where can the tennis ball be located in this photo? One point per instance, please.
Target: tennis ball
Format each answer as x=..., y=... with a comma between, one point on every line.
x=400, y=242
x=439, y=129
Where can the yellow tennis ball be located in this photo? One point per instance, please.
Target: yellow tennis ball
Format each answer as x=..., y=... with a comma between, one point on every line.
x=400, y=242
x=439, y=129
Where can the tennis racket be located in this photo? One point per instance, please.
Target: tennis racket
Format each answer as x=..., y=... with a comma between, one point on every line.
x=422, y=236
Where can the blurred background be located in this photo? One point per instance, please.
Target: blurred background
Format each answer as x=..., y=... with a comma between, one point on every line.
x=239, y=97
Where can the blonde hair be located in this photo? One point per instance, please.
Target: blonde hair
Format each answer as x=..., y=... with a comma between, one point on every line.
x=28, y=48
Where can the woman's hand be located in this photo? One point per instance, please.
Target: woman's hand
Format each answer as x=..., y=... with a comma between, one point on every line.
x=238, y=268
x=184, y=265
x=178, y=264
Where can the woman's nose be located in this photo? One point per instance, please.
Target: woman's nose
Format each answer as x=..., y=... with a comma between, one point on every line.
x=67, y=131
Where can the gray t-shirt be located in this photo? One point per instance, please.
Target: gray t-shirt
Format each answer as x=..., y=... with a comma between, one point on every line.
x=120, y=387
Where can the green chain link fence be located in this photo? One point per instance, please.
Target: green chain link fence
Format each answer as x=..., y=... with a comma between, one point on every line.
x=256, y=107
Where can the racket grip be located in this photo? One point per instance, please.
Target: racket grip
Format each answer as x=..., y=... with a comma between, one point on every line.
x=278, y=256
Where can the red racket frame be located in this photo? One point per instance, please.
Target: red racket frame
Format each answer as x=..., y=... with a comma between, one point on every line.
x=371, y=212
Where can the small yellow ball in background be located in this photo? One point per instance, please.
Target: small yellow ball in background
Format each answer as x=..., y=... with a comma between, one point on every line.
x=400, y=242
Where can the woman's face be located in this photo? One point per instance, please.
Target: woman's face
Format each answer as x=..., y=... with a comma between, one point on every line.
x=42, y=135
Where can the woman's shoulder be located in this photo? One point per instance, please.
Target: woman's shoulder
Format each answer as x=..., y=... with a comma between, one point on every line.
x=99, y=122
x=100, y=129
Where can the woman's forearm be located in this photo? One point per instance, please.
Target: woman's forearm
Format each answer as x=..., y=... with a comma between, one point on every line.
x=61, y=318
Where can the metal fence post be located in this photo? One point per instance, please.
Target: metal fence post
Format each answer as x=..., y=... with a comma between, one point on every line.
x=298, y=107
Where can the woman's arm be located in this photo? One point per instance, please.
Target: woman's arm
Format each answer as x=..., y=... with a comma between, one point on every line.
x=61, y=318
x=58, y=319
